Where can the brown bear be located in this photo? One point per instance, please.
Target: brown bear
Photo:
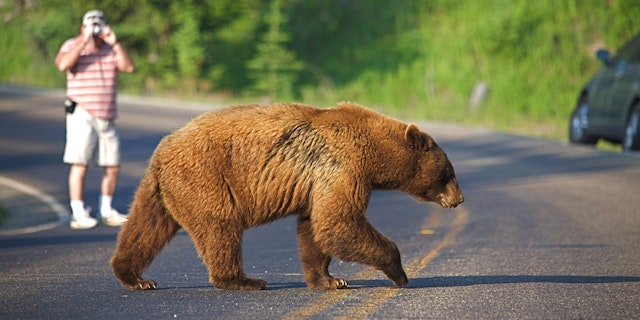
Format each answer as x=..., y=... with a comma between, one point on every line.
x=244, y=166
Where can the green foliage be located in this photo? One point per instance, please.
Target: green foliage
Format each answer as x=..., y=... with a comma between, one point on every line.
x=189, y=52
x=13, y=67
x=409, y=58
x=274, y=68
x=534, y=55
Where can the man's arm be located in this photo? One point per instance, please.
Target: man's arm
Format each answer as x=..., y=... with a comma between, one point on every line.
x=66, y=60
x=123, y=61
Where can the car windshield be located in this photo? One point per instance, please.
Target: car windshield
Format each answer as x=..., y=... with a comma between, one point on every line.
x=630, y=52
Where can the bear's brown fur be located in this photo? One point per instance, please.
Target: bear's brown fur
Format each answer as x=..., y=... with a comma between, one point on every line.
x=244, y=166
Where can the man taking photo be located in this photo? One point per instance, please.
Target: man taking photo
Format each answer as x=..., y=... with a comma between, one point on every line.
x=91, y=61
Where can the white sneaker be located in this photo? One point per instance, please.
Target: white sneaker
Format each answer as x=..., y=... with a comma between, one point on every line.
x=114, y=218
x=83, y=222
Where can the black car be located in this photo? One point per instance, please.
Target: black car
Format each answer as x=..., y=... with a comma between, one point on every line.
x=609, y=105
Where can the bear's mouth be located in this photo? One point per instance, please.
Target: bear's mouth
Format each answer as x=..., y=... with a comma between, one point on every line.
x=446, y=203
x=441, y=199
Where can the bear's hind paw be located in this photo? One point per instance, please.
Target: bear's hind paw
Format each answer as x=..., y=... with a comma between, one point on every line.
x=243, y=283
x=144, y=285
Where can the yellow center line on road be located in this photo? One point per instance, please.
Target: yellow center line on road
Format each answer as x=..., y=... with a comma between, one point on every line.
x=381, y=295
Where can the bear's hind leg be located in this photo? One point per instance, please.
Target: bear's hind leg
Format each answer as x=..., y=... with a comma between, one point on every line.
x=315, y=263
x=147, y=231
x=219, y=243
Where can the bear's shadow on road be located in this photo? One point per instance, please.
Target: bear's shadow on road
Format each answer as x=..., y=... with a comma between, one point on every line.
x=271, y=286
x=463, y=281
x=436, y=282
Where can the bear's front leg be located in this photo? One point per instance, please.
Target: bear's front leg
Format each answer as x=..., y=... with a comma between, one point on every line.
x=393, y=265
x=315, y=263
x=347, y=235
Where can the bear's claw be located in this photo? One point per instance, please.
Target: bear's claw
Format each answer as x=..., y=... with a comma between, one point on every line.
x=144, y=285
x=328, y=283
x=340, y=283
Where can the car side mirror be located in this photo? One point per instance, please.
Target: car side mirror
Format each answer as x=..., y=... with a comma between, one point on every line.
x=604, y=56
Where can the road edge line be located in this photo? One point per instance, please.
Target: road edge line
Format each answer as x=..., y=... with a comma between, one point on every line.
x=60, y=211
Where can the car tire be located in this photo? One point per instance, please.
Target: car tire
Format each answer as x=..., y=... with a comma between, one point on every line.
x=579, y=122
x=631, y=139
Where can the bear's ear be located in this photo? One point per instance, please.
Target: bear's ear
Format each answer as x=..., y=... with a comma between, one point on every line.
x=417, y=139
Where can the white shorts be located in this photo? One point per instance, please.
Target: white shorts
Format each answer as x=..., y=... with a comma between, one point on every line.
x=91, y=140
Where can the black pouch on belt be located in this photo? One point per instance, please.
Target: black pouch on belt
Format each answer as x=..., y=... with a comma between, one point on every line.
x=69, y=105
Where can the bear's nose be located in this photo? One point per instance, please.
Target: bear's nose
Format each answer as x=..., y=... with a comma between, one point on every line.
x=460, y=198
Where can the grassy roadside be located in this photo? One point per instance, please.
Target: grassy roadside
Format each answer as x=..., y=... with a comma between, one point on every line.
x=421, y=60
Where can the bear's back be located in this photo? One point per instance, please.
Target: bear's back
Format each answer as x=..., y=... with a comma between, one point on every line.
x=308, y=137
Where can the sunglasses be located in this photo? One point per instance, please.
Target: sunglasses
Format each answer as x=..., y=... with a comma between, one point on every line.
x=93, y=17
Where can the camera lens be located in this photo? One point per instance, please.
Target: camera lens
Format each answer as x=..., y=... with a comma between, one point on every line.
x=97, y=29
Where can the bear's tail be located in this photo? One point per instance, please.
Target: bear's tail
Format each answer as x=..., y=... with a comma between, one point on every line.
x=149, y=228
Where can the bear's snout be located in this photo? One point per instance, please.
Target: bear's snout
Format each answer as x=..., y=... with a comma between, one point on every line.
x=449, y=202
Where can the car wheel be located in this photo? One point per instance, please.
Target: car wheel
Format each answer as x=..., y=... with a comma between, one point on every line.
x=579, y=123
x=631, y=140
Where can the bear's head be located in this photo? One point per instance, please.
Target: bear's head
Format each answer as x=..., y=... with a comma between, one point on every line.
x=433, y=178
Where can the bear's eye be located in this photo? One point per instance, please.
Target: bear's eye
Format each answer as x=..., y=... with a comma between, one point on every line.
x=446, y=174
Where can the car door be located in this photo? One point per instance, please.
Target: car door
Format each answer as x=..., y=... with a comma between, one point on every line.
x=614, y=91
x=624, y=90
x=599, y=95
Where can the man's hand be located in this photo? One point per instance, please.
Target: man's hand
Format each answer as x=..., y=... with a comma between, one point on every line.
x=108, y=35
x=87, y=34
x=123, y=62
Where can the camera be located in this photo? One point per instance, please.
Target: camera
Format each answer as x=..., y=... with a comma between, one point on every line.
x=97, y=29
x=69, y=105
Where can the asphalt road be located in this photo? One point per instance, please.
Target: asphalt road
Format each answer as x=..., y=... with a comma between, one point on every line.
x=547, y=231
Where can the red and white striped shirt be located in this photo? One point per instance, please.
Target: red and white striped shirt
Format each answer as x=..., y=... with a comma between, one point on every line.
x=92, y=81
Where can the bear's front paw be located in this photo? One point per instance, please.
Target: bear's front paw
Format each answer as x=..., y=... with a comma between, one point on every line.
x=328, y=283
x=335, y=283
x=397, y=275
x=401, y=281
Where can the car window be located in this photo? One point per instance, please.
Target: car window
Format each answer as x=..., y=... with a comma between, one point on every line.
x=630, y=52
